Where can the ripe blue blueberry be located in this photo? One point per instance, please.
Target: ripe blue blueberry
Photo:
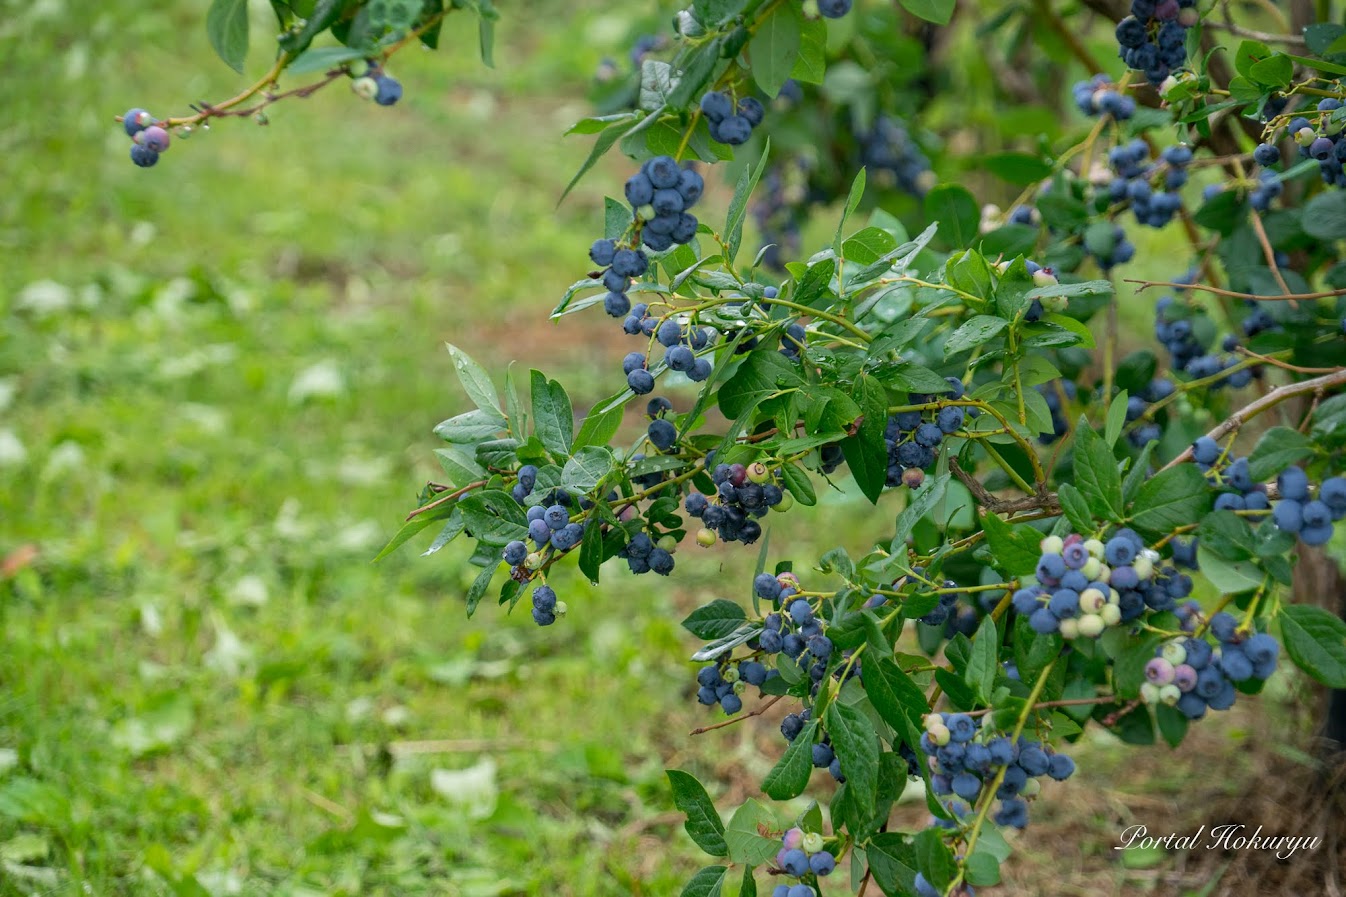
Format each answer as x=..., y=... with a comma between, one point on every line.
x=794, y=862
x=556, y=516
x=765, y=585
x=639, y=190
x=924, y=888
x=669, y=333
x=1205, y=450
x=691, y=186
x=663, y=172
x=390, y=90
x=661, y=562
x=1333, y=494
x=1060, y=767
x=616, y=304
x=1119, y=551
x=731, y=703
x=544, y=599
x=135, y=121
x=515, y=552
x=733, y=130
x=640, y=381
x=716, y=106
x=1316, y=514
x=601, y=252
x=153, y=137
x=752, y=110
x=538, y=531
x=822, y=755
x=663, y=434
x=833, y=9
x=1224, y=626
x=680, y=358
x=950, y=419
x=752, y=672
x=822, y=863
x=143, y=156
x=800, y=611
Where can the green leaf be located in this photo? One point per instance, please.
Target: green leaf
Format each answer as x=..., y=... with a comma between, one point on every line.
x=706, y=883
x=893, y=693
x=775, y=47
x=1229, y=577
x=790, y=776
x=891, y=860
x=1172, y=724
x=470, y=427
x=227, y=28
x=973, y=333
x=1096, y=473
x=982, y=664
x=406, y=532
x=1173, y=498
x=1020, y=169
x=1276, y=450
x=493, y=517
x=703, y=822
x=592, y=554
x=715, y=620
x=746, y=843
x=857, y=747
x=798, y=483
x=553, y=419
x=852, y=203
x=322, y=59
x=1033, y=650
x=957, y=212
x=923, y=502
x=762, y=375
x=738, y=206
x=606, y=140
x=934, y=858
x=866, y=452
x=1274, y=71
x=983, y=870
x=1315, y=639
x=1116, y=418
x=476, y=382
x=587, y=468
x=479, y=587
x=1325, y=216
x=811, y=65
x=1076, y=508
x=600, y=424
x=324, y=14
x=1013, y=546
x=937, y=11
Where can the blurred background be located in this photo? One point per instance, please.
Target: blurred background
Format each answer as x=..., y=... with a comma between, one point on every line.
x=218, y=380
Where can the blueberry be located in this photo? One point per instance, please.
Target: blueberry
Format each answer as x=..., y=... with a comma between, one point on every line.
x=601, y=252
x=752, y=672
x=833, y=9
x=143, y=156
x=544, y=599
x=962, y=727
x=515, y=552
x=822, y=863
x=663, y=172
x=966, y=785
x=1224, y=626
x=929, y=435
x=390, y=90
x=135, y=121
x=542, y=617
x=696, y=505
x=1060, y=767
x=752, y=110
x=1289, y=515
x=153, y=137
x=616, y=304
x=950, y=419
x=1266, y=154
x=1316, y=535
x=634, y=361
x=731, y=703
x=1033, y=760
x=556, y=516
x=716, y=106
x=669, y=333
x=680, y=358
x=661, y=562
x=538, y=531
x=791, y=726
x=640, y=381
x=1205, y=450
x=1316, y=514
x=794, y=862
x=822, y=755
x=639, y=190
x=734, y=130
x=690, y=186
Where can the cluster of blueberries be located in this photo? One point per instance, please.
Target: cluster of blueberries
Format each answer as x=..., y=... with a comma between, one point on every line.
x=1085, y=586
x=743, y=493
x=1156, y=390
x=889, y=152
x=373, y=83
x=912, y=440
x=1311, y=519
x=644, y=554
x=1190, y=674
x=1323, y=141
x=1153, y=39
x=680, y=342
x=661, y=195
x=1099, y=96
x=1133, y=181
x=802, y=856
x=724, y=685
x=1233, y=476
x=1189, y=356
x=730, y=123
x=965, y=765
x=148, y=138
x=821, y=753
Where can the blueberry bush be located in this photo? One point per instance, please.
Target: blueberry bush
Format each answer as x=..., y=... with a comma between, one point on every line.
x=1071, y=529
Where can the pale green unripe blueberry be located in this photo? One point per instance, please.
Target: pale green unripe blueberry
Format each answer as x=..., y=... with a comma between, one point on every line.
x=358, y=68
x=1188, y=17
x=1092, y=601
x=1113, y=597
x=1149, y=693
x=1052, y=545
x=1091, y=625
x=1001, y=268
x=705, y=537
x=1174, y=652
x=787, y=502
x=1092, y=568
x=730, y=675
x=1031, y=788
x=1070, y=628
x=939, y=735
x=758, y=472
x=1094, y=547
x=931, y=721
x=1144, y=567
x=1054, y=304
x=1305, y=136
x=645, y=212
x=668, y=543
x=1044, y=278
x=740, y=687
x=1112, y=614
x=365, y=88
x=533, y=561
x=561, y=609
x=1104, y=573
x=1167, y=85
x=813, y=842
x=1169, y=694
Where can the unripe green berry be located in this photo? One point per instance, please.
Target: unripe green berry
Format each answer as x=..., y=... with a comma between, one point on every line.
x=705, y=537
x=1092, y=601
x=1052, y=545
x=939, y=735
x=533, y=561
x=1149, y=693
x=1144, y=567
x=668, y=543
x=787, y=502
x=1094, y=547
x=1305, y=136
x=645, y=212
x=1092, y=568
x=1091, y=625
x=730, y=675
x=366, y=88
x=1070, y=628
x=561, y=609
x=813, y=842
x=1169, y=694
x=740, y=687
x=758, y=472
x=1044, y=278
x=1174, y=652
x=358, y=68
x=1031, y=788
x=1112, y=615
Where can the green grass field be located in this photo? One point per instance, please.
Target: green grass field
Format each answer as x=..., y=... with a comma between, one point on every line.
x=217, y=385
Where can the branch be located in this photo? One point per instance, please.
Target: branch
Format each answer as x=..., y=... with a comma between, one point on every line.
x=1041, y=500
x=1270, y=400
x=737, y=719
x=1142, y=285
x=457, y=493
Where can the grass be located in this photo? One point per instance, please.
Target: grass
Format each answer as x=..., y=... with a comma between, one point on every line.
x=217, y=382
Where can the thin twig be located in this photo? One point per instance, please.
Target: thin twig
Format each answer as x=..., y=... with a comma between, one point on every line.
x=457, y=493
x=1271, y=399
x=1142, y=285
x=737, y=719
x=1298, y=369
